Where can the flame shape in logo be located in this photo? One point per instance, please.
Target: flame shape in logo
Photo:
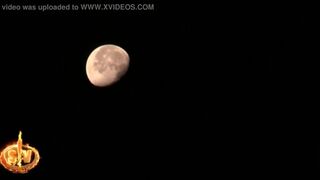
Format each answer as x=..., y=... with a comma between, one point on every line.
x=19, y=158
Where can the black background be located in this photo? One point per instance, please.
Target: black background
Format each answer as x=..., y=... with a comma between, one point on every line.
x=196, y=79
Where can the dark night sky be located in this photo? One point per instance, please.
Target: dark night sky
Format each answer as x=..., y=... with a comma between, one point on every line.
x=186, y=71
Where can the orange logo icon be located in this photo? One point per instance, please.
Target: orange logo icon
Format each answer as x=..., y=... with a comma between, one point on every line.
x=19, y=158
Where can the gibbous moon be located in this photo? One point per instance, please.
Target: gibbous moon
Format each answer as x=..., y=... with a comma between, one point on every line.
x=106, y=65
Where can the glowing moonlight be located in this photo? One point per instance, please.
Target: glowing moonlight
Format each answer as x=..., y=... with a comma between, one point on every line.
x=106, y=65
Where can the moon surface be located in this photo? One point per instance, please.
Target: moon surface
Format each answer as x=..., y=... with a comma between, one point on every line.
x=106, y=65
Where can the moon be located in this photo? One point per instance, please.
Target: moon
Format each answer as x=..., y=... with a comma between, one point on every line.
x=106, y=65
